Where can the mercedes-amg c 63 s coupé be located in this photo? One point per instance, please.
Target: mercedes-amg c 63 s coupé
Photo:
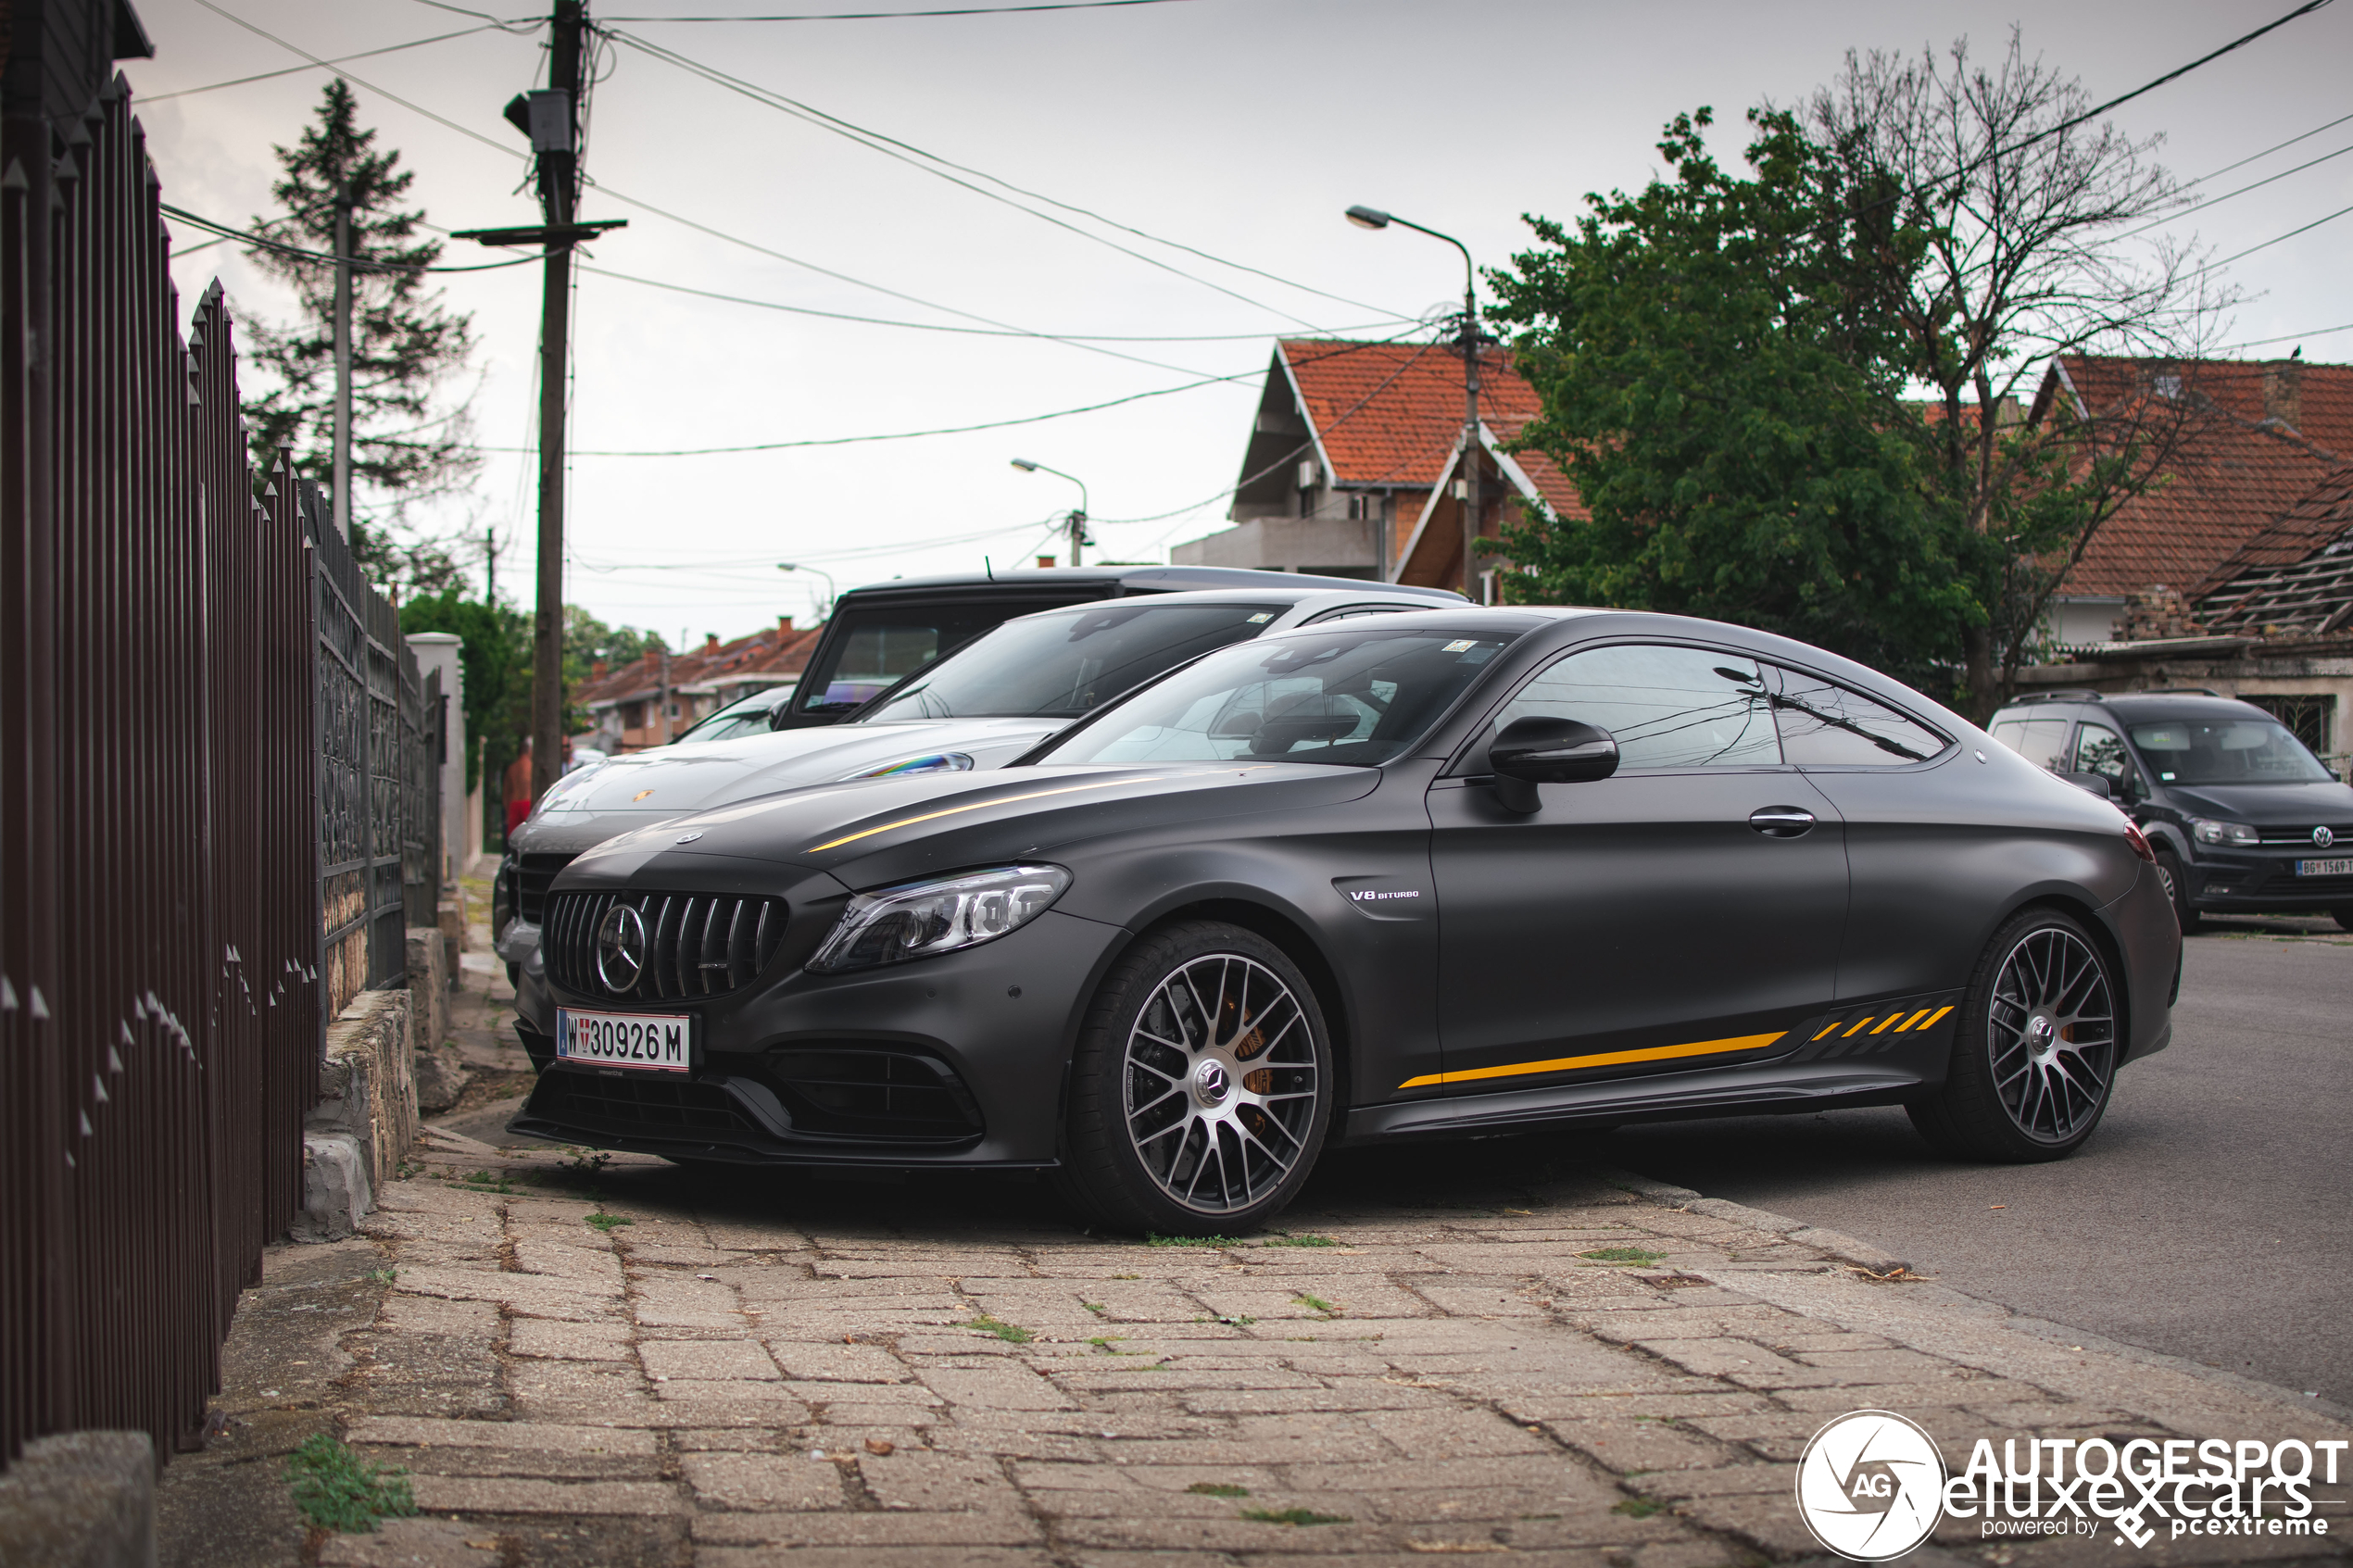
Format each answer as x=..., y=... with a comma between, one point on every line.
x=1446, y=872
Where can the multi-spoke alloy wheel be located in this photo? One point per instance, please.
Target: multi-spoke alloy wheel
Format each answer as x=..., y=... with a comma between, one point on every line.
x=1202, y=1090
x=1221, y=1084
x=2037, y=1053
x=2052, y=1026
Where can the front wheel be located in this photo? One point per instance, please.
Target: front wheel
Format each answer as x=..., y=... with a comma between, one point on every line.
x=2177, y=891
x=2038, y=1047
x=1202, y=1086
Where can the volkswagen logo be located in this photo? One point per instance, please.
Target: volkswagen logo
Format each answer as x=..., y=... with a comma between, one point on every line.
x=2323, y=838
x=621, y=947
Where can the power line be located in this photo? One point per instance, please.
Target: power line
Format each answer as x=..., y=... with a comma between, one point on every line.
x=921, y=159
x=2289, y=337
x=298, y=71
x=2276, y=239
x=2256, y=185
x=226, y=232
x=2276, y=147
x=938, y=326
x=893, y=16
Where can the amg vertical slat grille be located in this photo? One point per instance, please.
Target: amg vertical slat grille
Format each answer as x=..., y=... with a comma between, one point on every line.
x=697, y=945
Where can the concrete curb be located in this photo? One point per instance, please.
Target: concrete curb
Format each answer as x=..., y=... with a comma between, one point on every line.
x=1837, y=1243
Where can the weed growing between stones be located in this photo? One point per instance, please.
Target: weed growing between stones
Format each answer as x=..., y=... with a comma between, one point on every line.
x=1011, y=1332
x=604, y=1222
x=1217, y=1490
x=1294, y=1516
x=1639, y=1508
x=1304, y=1238
x=1622, y=1255
x=337, y=1490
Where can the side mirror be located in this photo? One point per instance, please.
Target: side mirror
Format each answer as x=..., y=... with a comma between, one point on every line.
x=1535, y=750
x=2091, y=784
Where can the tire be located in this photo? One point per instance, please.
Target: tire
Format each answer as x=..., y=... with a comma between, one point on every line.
x=2177, y=891
x=2344, y=913
x=2036, y=1059
x=1187, y=1117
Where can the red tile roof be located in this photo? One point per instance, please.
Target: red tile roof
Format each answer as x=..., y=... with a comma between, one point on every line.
x=2296, y=575
x=1390, y=413
x=780, y=650
x=2235, y=472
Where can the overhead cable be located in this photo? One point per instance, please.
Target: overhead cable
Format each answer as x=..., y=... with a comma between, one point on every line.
x=367, y=263
x=298, y=71
x=2274, y=147
x=922, y=158
x=2256, y=185
x=2275, y=239
x=895, y=15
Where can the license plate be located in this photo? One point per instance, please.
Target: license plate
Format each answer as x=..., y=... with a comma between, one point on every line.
x=2324, y=868
x=647, y=1041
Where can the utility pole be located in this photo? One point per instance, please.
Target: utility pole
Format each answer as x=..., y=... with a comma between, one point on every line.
x=1078, y=534
x=1473, y=500
x=490, y=566
x=343, y=362
x=551, y=119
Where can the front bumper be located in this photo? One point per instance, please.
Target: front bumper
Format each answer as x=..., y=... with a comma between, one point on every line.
x=956, y=1061
x=2260, y=879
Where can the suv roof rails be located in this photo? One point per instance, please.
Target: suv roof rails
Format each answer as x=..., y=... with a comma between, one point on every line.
x=2174, y=691
x=2069, y=693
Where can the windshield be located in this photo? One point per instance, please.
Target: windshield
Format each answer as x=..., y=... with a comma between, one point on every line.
x=749, y=715
x=1354, y=699
x=876, y=649
x=1072, y=663
x=2227, y=751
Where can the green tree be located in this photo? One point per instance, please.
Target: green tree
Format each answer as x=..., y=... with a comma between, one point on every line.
x=409, y=443
x=495, y=656
x=1727, y=400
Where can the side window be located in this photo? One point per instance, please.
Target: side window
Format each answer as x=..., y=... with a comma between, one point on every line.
x=1666, y=706
x=2099, y=749
x=1826, y=725
x=2041, y=741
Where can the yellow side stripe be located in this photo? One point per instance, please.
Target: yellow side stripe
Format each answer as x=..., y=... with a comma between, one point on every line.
x=1605, y=1058
x=1830, y=1026
x=976, y=806
x=1939, y=1013
x=1856, y=1029
x=1909, y=1021
x=1891, y=1018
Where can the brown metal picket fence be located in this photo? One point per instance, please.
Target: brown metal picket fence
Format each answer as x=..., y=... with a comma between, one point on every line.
x=161, y=815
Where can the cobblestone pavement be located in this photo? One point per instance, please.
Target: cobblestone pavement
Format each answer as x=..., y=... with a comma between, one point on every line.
x=1475, y=1349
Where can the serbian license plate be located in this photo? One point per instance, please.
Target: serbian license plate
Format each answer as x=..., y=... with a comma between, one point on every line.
x=2324, y=868
x=648, y=1042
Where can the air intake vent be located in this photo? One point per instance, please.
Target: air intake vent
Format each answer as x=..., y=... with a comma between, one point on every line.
x=532, y=875
x=639, y=1106
x=695, y=944
x=869, y=1092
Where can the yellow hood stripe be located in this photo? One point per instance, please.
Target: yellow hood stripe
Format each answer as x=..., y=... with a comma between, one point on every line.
x=975, y=806
x=1605, y=1058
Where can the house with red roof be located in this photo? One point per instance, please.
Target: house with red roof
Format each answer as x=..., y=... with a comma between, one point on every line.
x=2249, y=441
x=650, y=701
x=1354, y=460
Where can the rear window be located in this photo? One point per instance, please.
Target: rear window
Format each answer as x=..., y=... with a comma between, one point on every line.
x=1071, y=663
x=1825, y=726
x=877, y=648
x=2041, y=741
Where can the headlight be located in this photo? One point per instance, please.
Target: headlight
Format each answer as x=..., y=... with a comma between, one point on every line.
x=919, y=919
x=2209, y=830
x=930, y=762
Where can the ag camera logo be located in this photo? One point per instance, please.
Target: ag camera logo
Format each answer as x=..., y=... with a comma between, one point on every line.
x=1870, y=1486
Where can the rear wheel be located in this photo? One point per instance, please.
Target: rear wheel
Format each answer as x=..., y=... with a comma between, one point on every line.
x=1203, y=1087
x=2177, y=890
x=2038, y=1047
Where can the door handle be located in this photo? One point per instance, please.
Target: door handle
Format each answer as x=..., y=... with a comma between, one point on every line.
x=1781, y=822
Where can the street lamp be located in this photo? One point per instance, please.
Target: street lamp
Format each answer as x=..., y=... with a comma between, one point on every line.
x=1078, y=521
x=1373, y=217
x=790, y=566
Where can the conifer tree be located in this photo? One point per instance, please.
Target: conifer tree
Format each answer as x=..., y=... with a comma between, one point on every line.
x=409, y=443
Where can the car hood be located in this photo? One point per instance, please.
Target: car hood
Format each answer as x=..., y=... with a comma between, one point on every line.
x=2278, y=805
x=877, y=830
x=654, y=786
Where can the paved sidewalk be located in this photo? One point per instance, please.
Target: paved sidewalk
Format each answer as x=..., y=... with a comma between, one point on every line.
x=1470, y=1349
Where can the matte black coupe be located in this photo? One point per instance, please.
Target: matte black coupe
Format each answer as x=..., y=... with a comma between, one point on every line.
x=1430, y=874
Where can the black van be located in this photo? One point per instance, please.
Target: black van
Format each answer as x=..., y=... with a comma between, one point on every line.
x=2243, y=816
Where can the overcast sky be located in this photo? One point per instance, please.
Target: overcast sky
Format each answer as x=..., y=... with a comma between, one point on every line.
x=1242, y=127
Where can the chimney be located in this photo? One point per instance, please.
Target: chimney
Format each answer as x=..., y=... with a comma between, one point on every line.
x=653, y=655
x=710, y=643
x=2284, y=392
x=598, y=671
x=784, y=627
x=1045, y=561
